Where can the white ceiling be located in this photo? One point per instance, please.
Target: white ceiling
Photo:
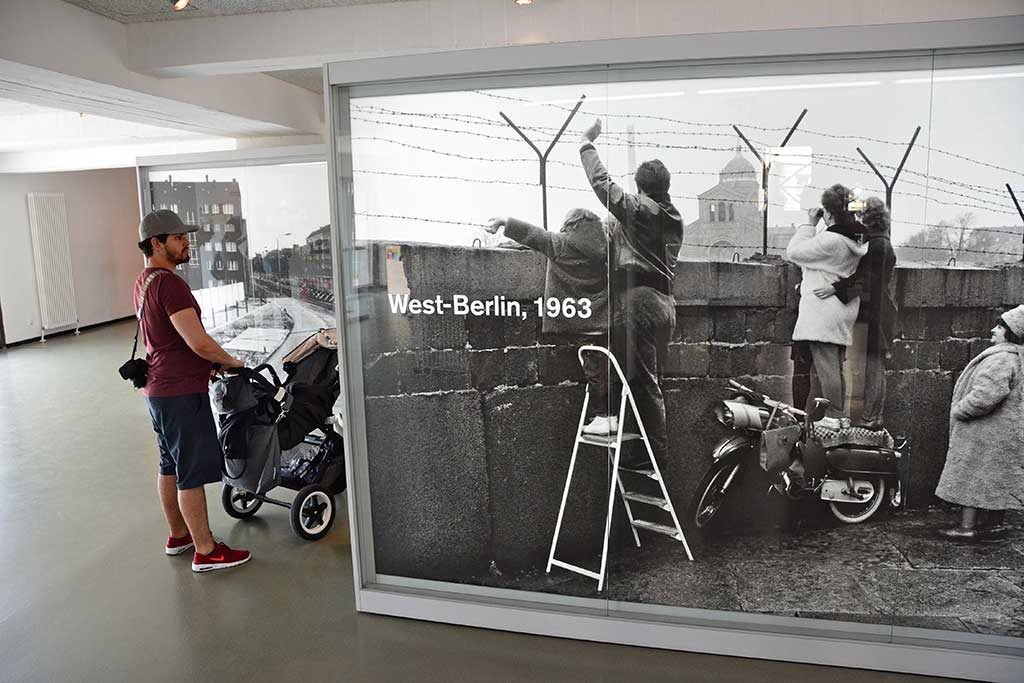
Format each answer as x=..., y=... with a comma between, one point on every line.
x=310, y=79
x=135, y=11
x=25, y=127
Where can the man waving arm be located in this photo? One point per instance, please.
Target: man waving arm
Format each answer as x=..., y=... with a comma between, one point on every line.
x=620, y=203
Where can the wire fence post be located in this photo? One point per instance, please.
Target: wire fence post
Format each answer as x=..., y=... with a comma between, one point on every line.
x=1019, y=211
x=889, y=185
x=766, y=166
x=543, y=158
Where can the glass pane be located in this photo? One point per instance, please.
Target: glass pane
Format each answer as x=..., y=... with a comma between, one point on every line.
x=260, y=265
x=786, y=184
x=469, y=336
x=960, y=480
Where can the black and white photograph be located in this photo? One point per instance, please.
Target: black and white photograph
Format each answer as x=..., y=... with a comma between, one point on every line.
x=744, y=344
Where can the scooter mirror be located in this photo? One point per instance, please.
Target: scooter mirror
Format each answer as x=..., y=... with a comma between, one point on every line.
x=821, y=406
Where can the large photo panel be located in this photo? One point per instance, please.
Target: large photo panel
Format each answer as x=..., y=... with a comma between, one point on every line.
x=792, y=266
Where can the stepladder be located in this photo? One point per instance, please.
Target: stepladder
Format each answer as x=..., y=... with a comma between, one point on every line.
x=612, y=444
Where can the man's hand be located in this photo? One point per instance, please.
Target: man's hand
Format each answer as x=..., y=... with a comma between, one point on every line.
x=496, y=224
x=825, y=292
x=814, y=215
x=590, y=134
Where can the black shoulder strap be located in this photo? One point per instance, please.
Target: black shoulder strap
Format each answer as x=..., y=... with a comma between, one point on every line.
x=142, y=304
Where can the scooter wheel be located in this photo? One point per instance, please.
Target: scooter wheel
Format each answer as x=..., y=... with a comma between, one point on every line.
x=238, y=503
x=855, y=513
x=711, y=493
x=313, y=512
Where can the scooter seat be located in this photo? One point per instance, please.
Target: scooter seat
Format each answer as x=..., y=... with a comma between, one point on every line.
x=860, y=460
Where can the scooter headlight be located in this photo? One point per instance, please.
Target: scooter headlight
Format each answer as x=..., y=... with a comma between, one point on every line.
x=738, y=415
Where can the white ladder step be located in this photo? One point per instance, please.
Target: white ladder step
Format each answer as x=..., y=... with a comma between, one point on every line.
x=648, y=500
x=646, y=472
x=658, y=528
x=574, y=568
x=605, y=441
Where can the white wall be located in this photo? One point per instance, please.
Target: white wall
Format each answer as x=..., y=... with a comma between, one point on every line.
x=103, y=212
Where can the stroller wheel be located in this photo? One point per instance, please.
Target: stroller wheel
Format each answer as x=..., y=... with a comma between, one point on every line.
x=312, y=512
x=238, y=503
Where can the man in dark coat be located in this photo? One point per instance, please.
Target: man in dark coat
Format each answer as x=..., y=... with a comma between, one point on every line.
x=873, y=283
x=578, y=270
x=644, y=249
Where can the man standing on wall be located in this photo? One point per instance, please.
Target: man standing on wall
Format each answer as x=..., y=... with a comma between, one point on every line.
x=644, y=249
x=181, y=356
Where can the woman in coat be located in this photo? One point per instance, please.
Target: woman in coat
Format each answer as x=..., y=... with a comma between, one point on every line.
x=985, y=463
x=873, y=284
x=824, y=326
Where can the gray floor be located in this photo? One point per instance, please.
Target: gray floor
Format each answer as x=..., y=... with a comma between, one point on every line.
x=86, y=593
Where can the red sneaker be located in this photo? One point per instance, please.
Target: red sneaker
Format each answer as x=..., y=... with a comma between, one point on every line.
x=221, y=557
x=176, y=546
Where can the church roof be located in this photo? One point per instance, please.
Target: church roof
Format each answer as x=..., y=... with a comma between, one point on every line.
x=737, y=168
x=745, y=191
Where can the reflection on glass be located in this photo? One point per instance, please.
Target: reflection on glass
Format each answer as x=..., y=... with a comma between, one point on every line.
x=260, y=263
x=471, y=416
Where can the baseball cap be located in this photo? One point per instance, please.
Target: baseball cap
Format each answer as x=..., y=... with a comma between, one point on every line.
x=162, y=222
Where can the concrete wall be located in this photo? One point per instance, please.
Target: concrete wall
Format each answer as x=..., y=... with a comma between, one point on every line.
x=103, y=212
x=471, y=420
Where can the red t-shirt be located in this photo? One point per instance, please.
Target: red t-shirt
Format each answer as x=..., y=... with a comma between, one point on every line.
x=174, y=369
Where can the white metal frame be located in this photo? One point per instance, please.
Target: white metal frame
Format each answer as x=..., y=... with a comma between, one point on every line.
x=891, y=648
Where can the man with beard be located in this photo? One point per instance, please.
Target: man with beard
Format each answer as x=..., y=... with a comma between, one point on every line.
x=181, y=356
x=644, y=249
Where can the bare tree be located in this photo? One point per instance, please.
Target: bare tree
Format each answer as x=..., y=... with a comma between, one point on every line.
x=957, y=233
x=947, y=238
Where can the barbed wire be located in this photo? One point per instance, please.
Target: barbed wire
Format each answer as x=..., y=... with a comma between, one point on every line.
x=856, y=160
x=701, y=147
x=587, y=190
x=616, y=141
x=835, y=136
x=717, y=245
x=418, y=219
x=688, y=172
x=474, y=119
x=827, y=159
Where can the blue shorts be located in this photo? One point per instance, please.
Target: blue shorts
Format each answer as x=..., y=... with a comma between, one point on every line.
x=187, y=437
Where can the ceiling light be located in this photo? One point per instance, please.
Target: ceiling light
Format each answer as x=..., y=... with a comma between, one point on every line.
x=950, y=79
x=799, y=86
x=179, y=4
x=523, y=2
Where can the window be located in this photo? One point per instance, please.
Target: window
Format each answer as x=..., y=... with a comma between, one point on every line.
x=233, y=265
x=193, y=254
x=204, y=209
x=232, y=247
x=712, y=213
x=228, y=209
x=732, y=216
x=208, y=246
x=206, y=227
x=174, y=208
x=217, y=246
x=721, y=211
x=216, y=208
x=229, y=227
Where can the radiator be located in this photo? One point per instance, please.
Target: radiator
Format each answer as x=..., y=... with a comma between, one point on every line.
x=51, y=248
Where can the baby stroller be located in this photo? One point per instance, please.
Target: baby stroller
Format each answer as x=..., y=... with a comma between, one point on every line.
x=277, y=433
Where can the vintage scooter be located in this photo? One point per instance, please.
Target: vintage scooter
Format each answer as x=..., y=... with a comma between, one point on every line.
x=854, y=479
